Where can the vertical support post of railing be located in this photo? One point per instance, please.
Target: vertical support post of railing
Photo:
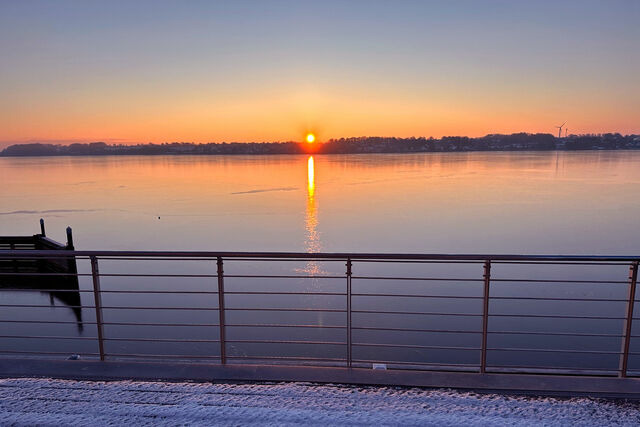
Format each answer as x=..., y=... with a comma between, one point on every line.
x=221, y=322
x=626, y=339
x=349, y=356
x=95, y=274
x=42, y=227
x=485, y=315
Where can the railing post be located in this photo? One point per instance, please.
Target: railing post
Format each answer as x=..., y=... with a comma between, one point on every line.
x=95, y=274
x=626, y=339
x=223, y=351
x=42, y=227
x=349, y=357
x=485, y=315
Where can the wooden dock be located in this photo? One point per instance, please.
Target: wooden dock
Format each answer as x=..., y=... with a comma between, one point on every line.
x=55, y=276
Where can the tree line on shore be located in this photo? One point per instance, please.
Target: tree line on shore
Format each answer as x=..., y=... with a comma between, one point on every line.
x=493, y=142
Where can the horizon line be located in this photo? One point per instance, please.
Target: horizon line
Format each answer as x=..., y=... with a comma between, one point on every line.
x=63, y=142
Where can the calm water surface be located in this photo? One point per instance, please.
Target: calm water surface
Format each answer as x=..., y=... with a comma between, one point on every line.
x=542, y=202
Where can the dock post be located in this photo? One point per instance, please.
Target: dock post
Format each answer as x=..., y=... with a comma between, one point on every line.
x=485, y=315
x=69, y=239
x=221, y=321
x=42, y=227
x=71, y=261
x=626, y=338
x=349, y=355
x=95, y=273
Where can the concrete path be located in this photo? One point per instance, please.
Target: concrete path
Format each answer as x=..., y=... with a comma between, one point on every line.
x=61, y=402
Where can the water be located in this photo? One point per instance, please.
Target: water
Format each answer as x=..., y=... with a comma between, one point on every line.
x=542, y=202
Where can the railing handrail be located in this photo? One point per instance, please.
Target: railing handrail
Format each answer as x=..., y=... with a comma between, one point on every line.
x=16, y=259
x=360, y=256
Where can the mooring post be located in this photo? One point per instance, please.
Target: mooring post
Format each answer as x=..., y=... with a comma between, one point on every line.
x=349, y=356
x=71, y=261
x=42, y=227
x=69, y=239
x=95, y=274
x=626, y=338
x=485, y=315
x=223, y=350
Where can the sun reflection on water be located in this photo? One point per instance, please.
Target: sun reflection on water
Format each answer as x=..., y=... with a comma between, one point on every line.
x=312, y=242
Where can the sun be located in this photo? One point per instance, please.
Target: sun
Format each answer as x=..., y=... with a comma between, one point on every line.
x=311, y=138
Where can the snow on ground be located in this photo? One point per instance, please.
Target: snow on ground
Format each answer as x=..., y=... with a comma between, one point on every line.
x=60, y=402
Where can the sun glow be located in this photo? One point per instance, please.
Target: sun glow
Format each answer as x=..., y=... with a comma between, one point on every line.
x=311, y=138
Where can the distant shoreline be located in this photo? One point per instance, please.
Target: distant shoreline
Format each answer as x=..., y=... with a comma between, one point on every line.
x=361, y=145
x=316, y=153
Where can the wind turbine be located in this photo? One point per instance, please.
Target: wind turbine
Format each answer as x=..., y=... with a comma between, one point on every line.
x=560, y=129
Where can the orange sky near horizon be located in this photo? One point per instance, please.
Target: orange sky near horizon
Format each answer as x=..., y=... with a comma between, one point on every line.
x=147, y=117
x=156, y=71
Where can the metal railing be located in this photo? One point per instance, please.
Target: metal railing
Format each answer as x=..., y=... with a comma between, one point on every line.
x=394, y=312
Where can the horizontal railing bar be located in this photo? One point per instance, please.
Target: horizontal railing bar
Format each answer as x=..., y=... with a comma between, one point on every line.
x=108, y=307
x=567, y=334
x=158, y=324
x=560, y=263
x=327, y=310
x=66, y=353
x=415, y=296
x=281, y=293
x=549, y=316
x=426, y=347
x=560, y=281
x=52, y=337
x=155, y=292
x=154, y=275
x=371, y=328
x=556, y=316
x=549, y=350
x=162, y=340
x=270, y=325
x=45, y=306
x=309, y=359
x=286, y=259
x=283, y=276
x=108, y=291
x=316, y=255
x=561, y=299
x=441, y=279
x=150, y=258
x=417, y=312
x=419, y=261
x=286, y=342
x=48, y=321
x=104, y=307
x=495, y=261
x=44, y=290
x=29, y=274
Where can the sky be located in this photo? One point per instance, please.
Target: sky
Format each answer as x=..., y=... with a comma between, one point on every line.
x=206, y=71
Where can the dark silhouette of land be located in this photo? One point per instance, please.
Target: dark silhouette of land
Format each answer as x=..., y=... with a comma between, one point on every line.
x=494, y=142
